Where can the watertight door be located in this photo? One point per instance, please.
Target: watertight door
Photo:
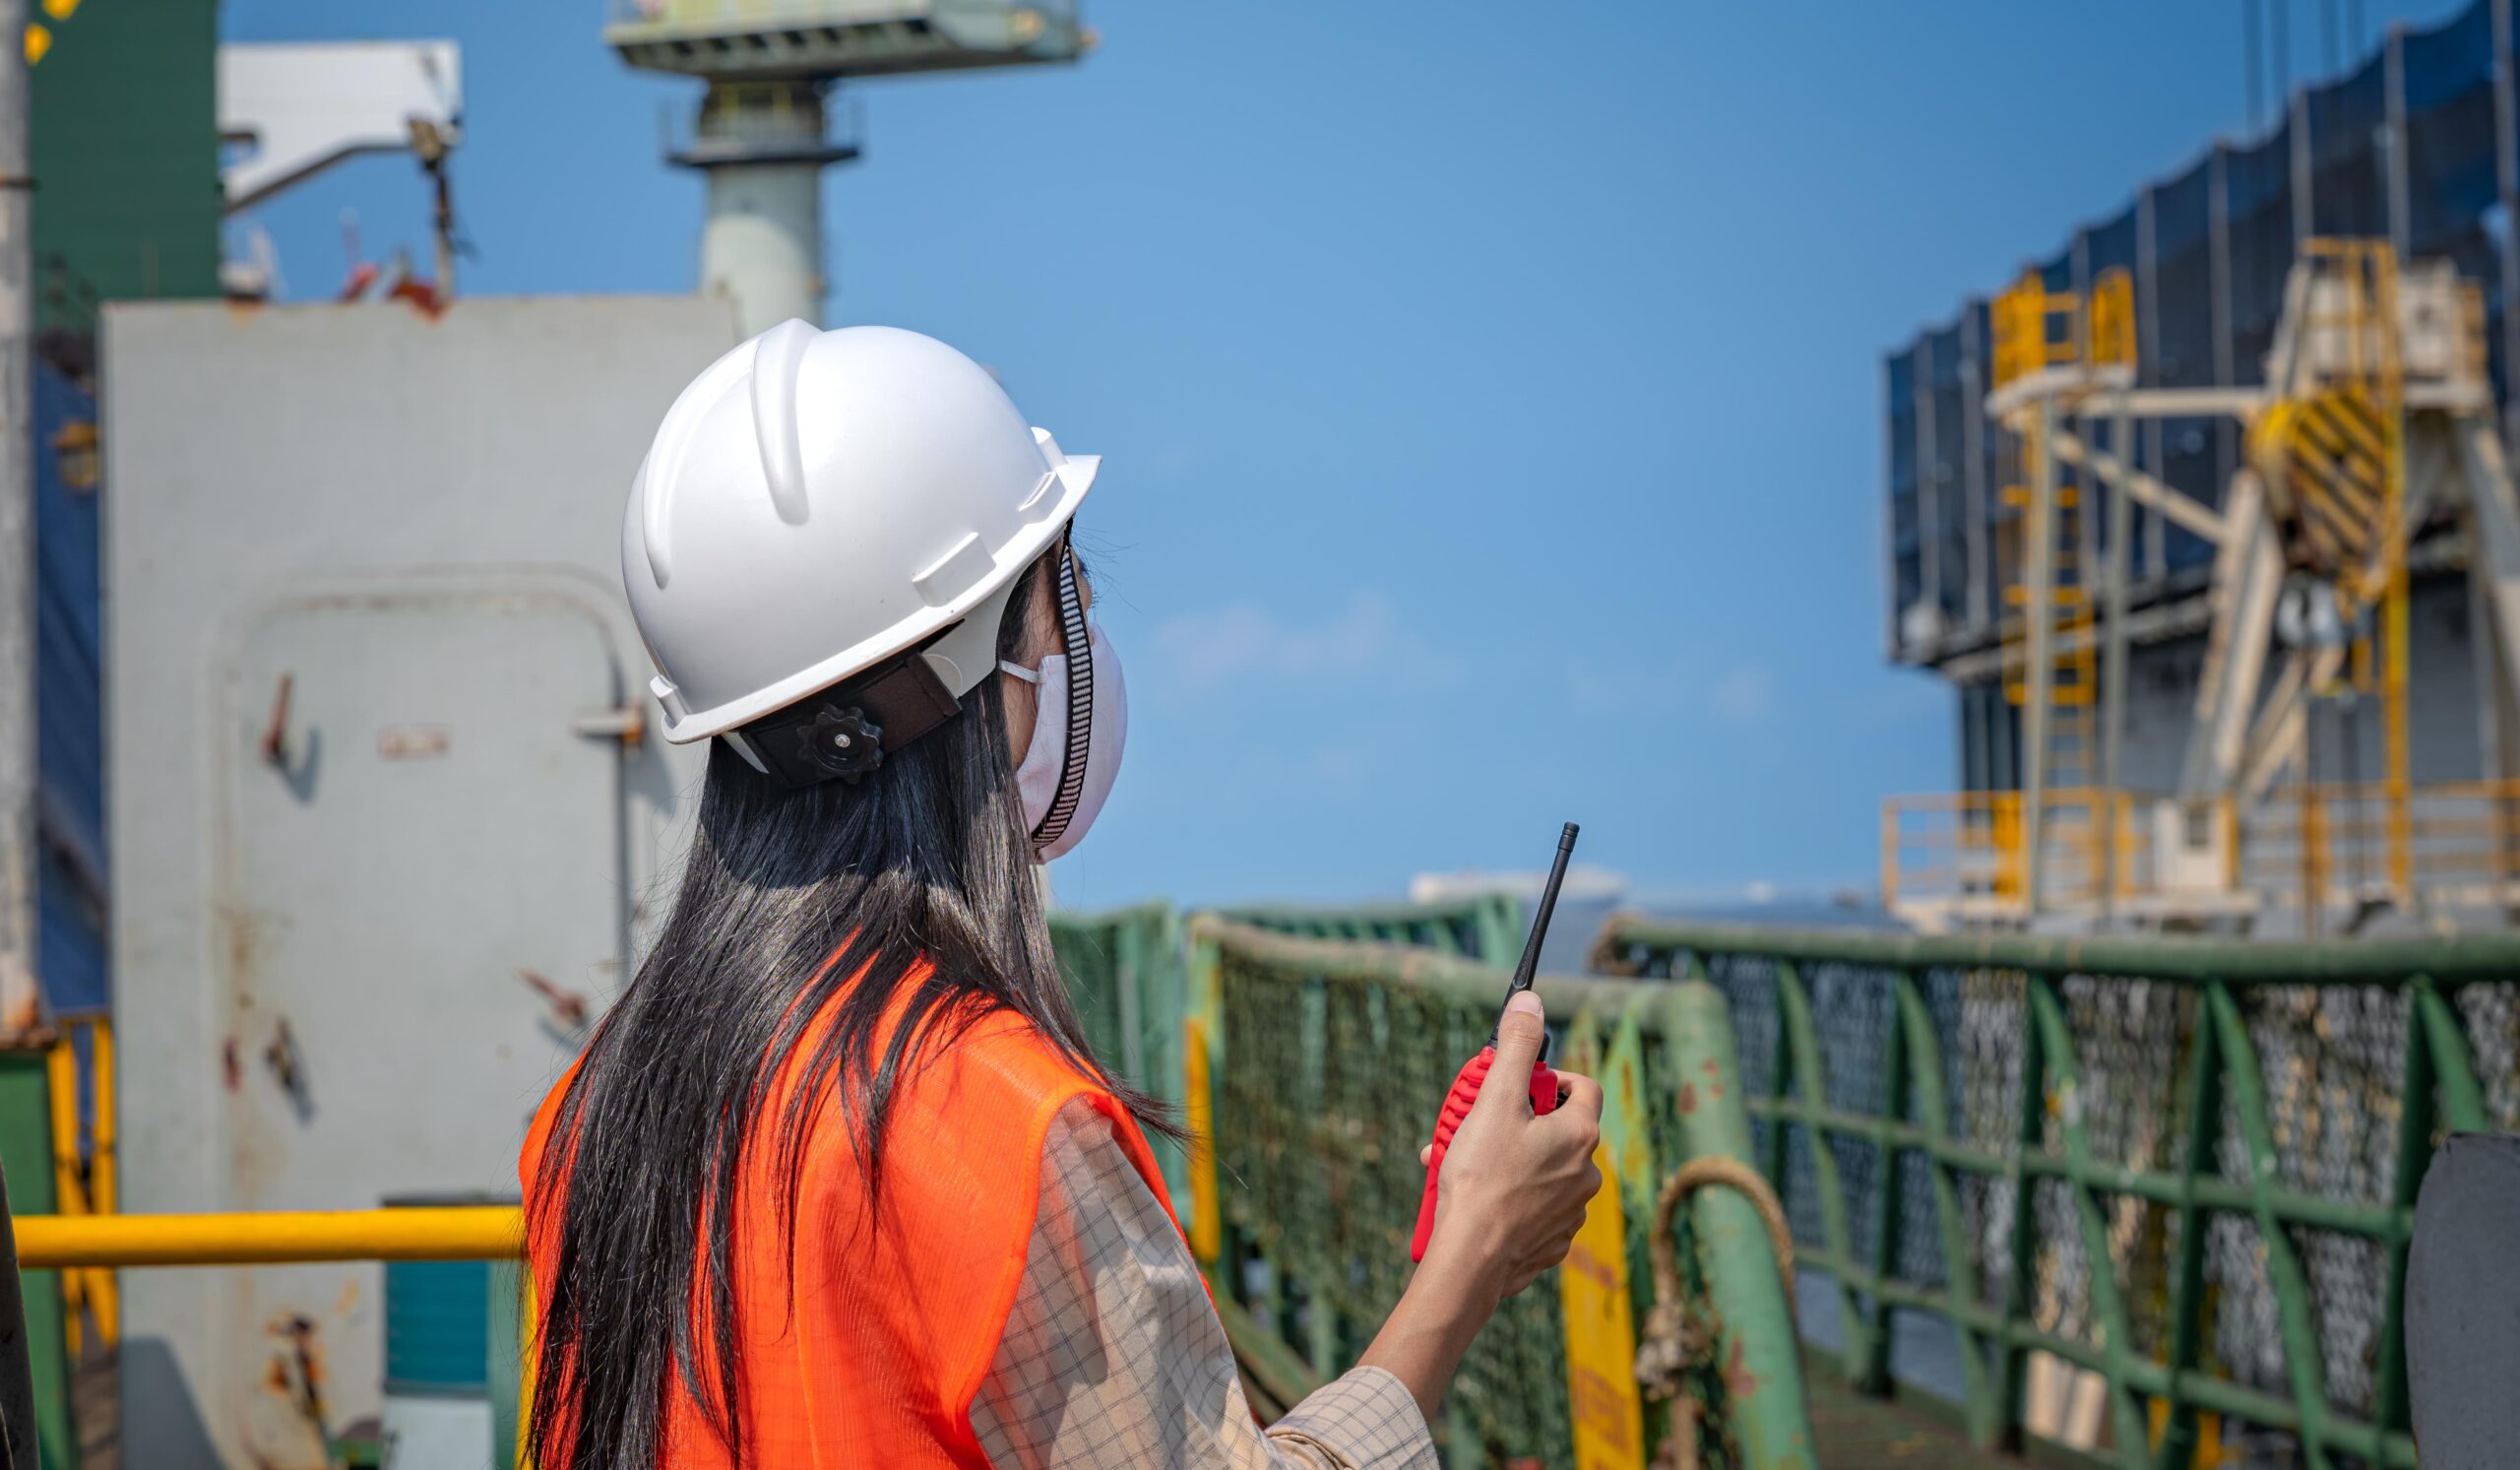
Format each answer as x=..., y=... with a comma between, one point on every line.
x=427, y=876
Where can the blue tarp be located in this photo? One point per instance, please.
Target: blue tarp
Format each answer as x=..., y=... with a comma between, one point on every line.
x=70, y=750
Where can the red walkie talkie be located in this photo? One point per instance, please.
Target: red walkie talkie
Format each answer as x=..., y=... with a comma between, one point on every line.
x=1544, y=1082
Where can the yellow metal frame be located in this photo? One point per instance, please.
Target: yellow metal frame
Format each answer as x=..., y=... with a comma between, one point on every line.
x=83, y=1171
x=97, y=1244
x=450, y=1233
x=2035, y=329
x=1952, y=843
x=1967, y=844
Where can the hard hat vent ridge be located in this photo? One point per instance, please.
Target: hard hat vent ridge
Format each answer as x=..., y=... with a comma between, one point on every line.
x=778, y=359
x=663, y=468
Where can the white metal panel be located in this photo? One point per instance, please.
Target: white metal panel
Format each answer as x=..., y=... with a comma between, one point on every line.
x=419, y=518
x=410, y=830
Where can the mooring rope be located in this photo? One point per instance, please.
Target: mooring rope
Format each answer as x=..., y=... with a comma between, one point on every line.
x=1675, y=1338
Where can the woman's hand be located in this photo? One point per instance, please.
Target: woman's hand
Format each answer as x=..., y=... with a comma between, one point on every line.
x=1515, y=1186
x=1512, y=1197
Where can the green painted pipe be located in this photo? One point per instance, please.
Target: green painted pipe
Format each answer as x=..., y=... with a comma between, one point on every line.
x=1756, y=1347
x=2466, y=957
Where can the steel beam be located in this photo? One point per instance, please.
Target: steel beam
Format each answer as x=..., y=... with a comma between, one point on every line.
x=2039, y=614
x=2248, y=572
x=2186, y=510
x=2112, y=666
x=2493, y=523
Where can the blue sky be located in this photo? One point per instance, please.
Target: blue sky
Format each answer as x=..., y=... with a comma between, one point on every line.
x=1491, y=394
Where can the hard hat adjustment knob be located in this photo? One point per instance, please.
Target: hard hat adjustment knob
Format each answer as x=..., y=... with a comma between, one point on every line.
x=841, y=743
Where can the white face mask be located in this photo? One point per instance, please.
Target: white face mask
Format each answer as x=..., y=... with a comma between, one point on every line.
x=1067, y=771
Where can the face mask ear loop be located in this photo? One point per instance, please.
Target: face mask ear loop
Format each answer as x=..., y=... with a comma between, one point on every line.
x=1076, y=641
x=1027, y=676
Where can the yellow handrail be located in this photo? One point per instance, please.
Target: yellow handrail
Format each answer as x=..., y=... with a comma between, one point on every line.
x=448, y=1233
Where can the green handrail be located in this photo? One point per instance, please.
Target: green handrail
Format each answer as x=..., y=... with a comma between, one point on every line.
x=2233, y=962
x=1328, y=1061
x=2187, y=1167
x=1487, y=927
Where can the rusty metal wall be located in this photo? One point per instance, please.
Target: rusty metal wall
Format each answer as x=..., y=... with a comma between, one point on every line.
x=371, y=839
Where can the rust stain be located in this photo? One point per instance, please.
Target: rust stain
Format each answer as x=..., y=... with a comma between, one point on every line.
x=275, y=741
x=287, y=1064
x=422, y=297
x=1688, y=1098
x=348, y=1302
x=310, y=1357
x=245, y=933
x=568, y=1008
x=232, y=1062
x=1739, y=1380
x=284, y=1425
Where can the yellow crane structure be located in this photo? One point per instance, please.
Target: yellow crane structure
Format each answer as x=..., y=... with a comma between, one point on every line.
x=2375, y=413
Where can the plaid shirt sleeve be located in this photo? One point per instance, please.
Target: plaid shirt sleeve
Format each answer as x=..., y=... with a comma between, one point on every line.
x=1112, y=1356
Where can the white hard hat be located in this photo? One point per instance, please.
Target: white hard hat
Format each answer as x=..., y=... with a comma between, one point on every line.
x=817, y=503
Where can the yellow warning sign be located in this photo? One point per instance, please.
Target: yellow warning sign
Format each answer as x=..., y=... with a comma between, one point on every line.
x=1600, y=1334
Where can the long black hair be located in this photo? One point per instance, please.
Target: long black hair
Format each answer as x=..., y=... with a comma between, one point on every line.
x=787, y=897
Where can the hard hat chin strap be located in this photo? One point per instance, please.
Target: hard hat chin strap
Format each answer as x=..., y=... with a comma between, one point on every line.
x=1074, y=641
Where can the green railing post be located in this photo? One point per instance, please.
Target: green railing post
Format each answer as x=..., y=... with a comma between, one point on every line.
x=1885, y=1196
x=1959, y=1268
x=1781, y=1084
x=1128, y=968
x=2100, y=1266
x=2029, y=1137
x=1501, y=929
x=2291, y=1291
x=2453, y=1071
x=2436, y=1062
x=2416, y=1114
x=1765, y=1403
x=1812, y=1084
x=2202, y=1100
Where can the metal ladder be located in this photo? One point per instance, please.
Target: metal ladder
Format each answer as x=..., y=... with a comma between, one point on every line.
x=2051, y=644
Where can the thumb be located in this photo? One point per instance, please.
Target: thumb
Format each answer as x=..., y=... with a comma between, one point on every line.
x=1519, y=1031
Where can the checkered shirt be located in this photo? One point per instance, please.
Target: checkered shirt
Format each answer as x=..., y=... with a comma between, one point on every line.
x=1113, y=1357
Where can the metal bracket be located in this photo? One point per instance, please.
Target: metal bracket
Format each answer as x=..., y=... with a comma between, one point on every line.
x=626, y=722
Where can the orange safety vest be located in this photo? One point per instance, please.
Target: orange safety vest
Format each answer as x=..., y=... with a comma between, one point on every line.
x=873, y=1353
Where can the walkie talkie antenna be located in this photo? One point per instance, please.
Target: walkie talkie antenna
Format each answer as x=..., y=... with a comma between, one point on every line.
x=1529, y=970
